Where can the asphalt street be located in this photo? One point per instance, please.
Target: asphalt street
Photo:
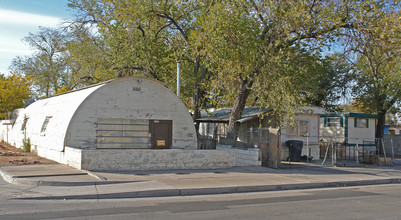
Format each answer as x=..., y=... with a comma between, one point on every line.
x=366, y=202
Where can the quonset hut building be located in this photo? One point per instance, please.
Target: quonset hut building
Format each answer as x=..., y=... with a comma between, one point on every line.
x=129, y=123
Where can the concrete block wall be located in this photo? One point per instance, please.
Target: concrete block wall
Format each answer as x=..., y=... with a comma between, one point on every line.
x=149, y=159
x=249, y=157
x=73, y=157
x=50, y=154
x=244, y=157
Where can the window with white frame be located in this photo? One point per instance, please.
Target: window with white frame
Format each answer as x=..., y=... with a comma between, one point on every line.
x=45, y=123
x=23, y=127
x=301, y=128
x=333, y=122
x=361, y=122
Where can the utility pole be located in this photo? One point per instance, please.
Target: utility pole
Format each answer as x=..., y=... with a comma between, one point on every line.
x=178, y=78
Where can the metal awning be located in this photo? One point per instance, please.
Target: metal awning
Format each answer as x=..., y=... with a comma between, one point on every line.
x=223, y=115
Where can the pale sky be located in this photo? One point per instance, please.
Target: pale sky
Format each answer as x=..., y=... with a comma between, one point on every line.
x=18, y=18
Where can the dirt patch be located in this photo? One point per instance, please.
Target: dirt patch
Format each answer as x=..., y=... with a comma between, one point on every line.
x=11, y=156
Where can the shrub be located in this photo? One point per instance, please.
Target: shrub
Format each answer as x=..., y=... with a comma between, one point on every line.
x=26, y=145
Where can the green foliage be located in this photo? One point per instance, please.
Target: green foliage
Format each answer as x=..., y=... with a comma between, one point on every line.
x=14, y=91
x=328, y=81
x=63, y=89
x=133, y=38
x=375, y=42
x=269, y=45
x=47, y=66
x=140, y=38
x=232, y=53
x=26, y=145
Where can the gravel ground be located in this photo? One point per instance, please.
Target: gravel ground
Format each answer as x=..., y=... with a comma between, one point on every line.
x=11, y=156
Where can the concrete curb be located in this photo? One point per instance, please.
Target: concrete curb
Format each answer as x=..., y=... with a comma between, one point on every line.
x=282, y=187
x=95, y=175
x=194, y=191
x=6, y=176
x=31, y=182
x=262, y=188
x=218, y=190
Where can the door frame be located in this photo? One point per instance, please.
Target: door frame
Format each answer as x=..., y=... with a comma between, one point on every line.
x=152, y=126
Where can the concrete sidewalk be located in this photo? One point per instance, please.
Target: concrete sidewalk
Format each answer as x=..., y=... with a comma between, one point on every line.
x=62, y=182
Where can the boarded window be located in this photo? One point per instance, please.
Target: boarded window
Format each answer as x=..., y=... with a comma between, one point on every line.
x=45, y=123
x=122, y=133
x=301, y=128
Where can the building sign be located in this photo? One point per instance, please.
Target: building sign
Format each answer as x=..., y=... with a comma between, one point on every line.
x=161, y=143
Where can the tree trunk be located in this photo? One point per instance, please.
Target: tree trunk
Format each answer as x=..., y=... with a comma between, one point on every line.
x=381, y=122
x=196, y=97
x=238, y=107
x=199, y=93
x=197, y=107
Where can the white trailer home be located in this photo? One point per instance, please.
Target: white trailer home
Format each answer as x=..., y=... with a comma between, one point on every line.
x=348, y=127
x=306, y=129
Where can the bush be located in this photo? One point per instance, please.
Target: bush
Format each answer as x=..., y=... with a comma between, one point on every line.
x=26, y=145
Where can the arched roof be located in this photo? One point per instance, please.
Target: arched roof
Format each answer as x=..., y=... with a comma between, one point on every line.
x=49, y=118
x=59, y=110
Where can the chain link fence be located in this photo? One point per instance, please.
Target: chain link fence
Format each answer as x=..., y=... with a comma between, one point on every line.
x=380, y=151
x=250, y=138
x=330, y=151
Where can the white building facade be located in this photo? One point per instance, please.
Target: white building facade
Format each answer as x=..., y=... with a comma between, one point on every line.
x=123, y=124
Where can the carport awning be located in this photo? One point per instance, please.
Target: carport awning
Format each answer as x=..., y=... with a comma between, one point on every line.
x=223, y=115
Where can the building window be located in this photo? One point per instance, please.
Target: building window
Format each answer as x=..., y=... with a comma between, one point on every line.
x=123, y=133
x=45, y=123
x=23, y=127
x=301, y=128
x=361, y=122
x=334, y=122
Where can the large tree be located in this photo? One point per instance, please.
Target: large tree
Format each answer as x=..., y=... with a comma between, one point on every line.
x=260, y=48
x=142, y=37
x=46, y=66
x=14, y=91
x=374, y=42
x=329, y=81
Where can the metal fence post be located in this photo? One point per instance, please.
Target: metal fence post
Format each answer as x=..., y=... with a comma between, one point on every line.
x=384, y=151
x=392, y=152
x=335, y=154
x=251, y=136
x=332, y=154
x=357, y=152
x=307, y=150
